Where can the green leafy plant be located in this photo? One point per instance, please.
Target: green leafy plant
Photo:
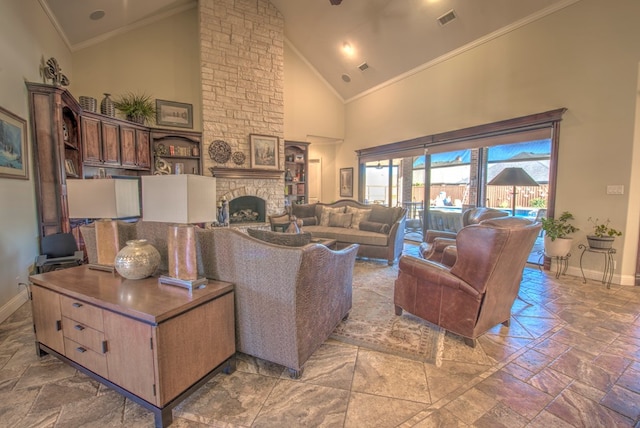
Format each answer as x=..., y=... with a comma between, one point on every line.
x=560, y=227
x=136, y=107
x=601, y=229
x=538, y=203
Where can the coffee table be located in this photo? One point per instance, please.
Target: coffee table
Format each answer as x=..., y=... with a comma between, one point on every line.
x=327, y=242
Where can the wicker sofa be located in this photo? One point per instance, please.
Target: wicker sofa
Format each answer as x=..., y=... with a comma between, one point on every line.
x=288, y=300
x=379, y=230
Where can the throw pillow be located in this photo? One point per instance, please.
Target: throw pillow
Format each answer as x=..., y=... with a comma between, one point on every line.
x=324, y=218
x=372, y=226
x=303, y=210
x=309, y=221
x=340, y=220
x=381, y=214
x=359, y=214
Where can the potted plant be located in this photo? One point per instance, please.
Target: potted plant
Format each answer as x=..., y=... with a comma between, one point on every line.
x=603, y=235
x=136, y=107
x=557, y=243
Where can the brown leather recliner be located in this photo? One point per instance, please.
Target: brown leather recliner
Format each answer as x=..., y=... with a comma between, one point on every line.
x=477, y=292
x=436, y=240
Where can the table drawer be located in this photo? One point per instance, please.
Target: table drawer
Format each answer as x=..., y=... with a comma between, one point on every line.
x=82, y=312
x=84, y=356
x=84, y=335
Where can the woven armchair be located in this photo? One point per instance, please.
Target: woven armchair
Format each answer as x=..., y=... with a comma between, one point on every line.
x=288, y=299
x=280, y=238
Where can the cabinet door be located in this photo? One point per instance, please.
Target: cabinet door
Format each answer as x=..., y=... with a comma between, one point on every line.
x=142, y=148
x=128, y=146
x=130, y=359
x=110, y=144
x=47, y=318
x=91, y=140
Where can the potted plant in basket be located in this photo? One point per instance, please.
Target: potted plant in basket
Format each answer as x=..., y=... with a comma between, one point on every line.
x=136, y=107
x=603, y=235
x=557, y=243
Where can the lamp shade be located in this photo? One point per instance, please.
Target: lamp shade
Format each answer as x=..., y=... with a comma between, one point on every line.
x=103, y=198
x=183, y=198
x=513, y=177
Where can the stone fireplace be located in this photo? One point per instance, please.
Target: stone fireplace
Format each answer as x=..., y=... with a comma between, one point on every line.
x=241, y=75
x=247, y=209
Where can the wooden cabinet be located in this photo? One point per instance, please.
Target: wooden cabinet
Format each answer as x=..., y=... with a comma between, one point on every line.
x=55, y=132
x=100, y=141
x=176, y=150
x=47, y=318
x=134, y=144
x=152, y=343
x=296, y=165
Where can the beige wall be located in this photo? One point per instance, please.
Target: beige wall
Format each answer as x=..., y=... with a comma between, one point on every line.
x=585, y=58
x=311, y=107
x=161, y=59
x=26, y=35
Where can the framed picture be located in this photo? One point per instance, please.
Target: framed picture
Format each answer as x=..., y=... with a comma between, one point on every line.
x=170, y=113
x=264, y=151
x=14, y=159
x=70, y=169
x=346, y=182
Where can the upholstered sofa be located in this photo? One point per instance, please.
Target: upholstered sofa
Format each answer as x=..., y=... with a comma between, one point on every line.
x=379, y=230
x=288, y=300
x=436, y=241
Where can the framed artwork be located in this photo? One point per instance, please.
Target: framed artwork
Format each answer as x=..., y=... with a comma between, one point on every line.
x=14, y=159
x=170, y=113
x=346, y=182
x=264, y=151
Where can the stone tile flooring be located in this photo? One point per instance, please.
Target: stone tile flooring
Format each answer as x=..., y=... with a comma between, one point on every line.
x=571, y=358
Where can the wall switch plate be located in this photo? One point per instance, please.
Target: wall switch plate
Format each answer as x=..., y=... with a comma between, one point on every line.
x=615, y=189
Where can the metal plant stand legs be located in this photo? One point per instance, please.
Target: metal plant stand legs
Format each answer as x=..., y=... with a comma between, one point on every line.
x=609, y=267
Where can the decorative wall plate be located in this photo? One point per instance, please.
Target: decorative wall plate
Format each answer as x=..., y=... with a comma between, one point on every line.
x=220, y=151
x=238, y=158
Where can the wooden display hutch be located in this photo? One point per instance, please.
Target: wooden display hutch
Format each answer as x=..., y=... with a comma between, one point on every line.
x=68, y=142
x=296, y=165
x=55, y=131
x=173, y=149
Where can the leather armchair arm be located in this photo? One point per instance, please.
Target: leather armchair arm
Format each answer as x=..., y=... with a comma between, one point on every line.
x=433, y=234
x=439, y=244
x=434, y=273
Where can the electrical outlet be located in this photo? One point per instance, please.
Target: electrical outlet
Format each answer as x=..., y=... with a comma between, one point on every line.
x=615, y=189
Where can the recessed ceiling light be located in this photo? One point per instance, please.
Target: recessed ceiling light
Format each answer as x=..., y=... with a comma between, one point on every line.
x=347, y=48
x=96, y=14
x=346, y=78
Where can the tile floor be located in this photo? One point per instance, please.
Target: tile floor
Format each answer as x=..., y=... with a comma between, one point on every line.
x=571, y=358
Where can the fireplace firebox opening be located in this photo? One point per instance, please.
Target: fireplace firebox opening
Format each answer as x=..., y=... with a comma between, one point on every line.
x=247, y=209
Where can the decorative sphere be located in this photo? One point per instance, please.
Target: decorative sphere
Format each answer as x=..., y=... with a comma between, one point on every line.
x=137, y=260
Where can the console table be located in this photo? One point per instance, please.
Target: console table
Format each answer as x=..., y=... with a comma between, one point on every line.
x=609, y=267
x=153, y=343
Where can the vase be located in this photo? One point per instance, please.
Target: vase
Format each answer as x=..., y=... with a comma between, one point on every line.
x=88, y=103
x=107, y=107
x=137, y=260
x=559, y=247
x=600, y=242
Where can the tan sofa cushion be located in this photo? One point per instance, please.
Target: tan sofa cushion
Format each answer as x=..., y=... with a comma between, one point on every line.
x=325, y=214
x=348, y=235
x=359, y=215
x=340, y=220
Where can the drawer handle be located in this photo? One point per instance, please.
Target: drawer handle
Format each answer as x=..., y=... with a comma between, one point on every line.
x=81, y=349
x=105, y=348
x=79, y=327
x=77, y=305
x=58, y=325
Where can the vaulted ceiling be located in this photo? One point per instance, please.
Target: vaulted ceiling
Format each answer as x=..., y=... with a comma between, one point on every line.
x=388, y=39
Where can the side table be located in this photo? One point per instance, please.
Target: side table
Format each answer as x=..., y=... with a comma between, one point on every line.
x=609, y=267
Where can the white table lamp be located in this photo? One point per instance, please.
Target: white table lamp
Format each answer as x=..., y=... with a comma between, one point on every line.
x=183, y=200
x=105, y=200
